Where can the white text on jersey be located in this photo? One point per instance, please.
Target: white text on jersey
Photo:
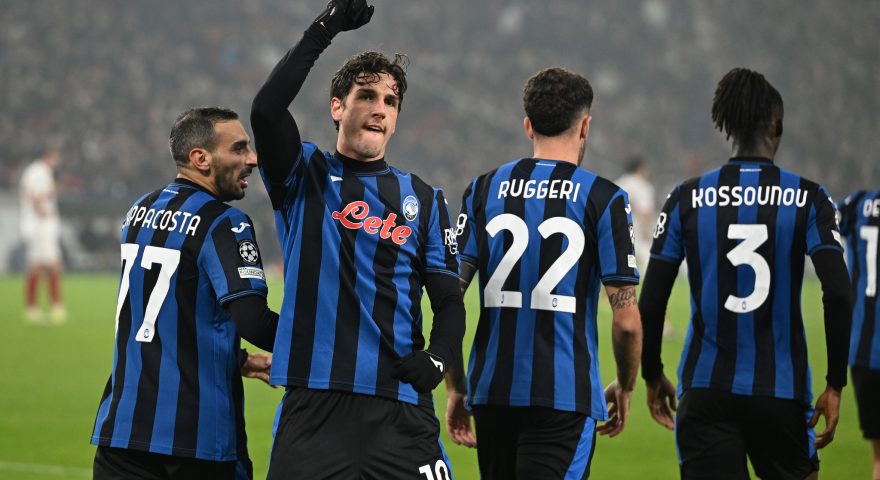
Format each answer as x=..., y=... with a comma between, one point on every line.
x=162, y=220
x=871, y=208
x=540, y=189
x=738, y=195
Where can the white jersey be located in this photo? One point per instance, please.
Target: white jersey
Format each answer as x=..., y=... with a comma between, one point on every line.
x=641, y=199
x=37, y=186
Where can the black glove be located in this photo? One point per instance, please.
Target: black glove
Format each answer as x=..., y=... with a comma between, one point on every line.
x=421, y=369
x=344, y=15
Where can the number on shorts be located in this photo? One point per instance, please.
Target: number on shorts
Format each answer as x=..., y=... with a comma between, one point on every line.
x=441, y=471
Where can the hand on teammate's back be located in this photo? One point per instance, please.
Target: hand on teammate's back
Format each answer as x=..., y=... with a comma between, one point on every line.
x=345, y=15
x=257, y=366
x=828, y=406
x=421, y=369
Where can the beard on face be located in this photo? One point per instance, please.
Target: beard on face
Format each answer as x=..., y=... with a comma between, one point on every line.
x=226, y=182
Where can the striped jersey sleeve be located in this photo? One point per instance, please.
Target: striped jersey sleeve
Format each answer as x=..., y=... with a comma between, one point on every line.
x=846, y=212
x=465, y=227
x=440, y=242
x=822, y=231
x=231, y=258
x=617, y=260
x=668, y=244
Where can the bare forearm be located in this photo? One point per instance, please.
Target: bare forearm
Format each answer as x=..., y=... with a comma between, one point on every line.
x=626, y=334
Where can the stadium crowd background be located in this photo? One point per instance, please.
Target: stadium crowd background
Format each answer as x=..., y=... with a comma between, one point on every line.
x=104, y=80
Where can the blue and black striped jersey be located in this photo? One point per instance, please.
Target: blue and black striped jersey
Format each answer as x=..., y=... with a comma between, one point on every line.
x=745, y=229
x=543, y=234
x=358, y=239
x=175, y=387
x=860, y=223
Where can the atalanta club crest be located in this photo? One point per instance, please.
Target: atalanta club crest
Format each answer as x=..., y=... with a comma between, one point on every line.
x=248, y=251
x=410, y=208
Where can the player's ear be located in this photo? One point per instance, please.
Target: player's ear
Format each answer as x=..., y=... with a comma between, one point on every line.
x=775, y=128
x=336, y=108
x=200, y=159
x=585, y=126
x=527, y=126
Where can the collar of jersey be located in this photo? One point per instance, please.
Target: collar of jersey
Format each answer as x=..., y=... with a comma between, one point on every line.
x=183, y=182
x=751, y=160
x=374, y=167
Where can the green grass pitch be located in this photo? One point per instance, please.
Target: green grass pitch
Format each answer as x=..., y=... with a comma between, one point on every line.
x=52, y=379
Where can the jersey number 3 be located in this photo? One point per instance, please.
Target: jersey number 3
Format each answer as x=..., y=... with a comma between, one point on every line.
x=752, y=236
x=168, y=259
x=542, y=298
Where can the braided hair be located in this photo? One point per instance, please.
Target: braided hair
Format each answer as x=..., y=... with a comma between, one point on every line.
x=744, y=105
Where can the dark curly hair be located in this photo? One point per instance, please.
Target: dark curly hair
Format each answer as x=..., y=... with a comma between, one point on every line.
x=364, y=69
x=744, y=105
x=553, y=98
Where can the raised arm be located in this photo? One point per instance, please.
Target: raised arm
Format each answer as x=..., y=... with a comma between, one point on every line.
x=276, y=135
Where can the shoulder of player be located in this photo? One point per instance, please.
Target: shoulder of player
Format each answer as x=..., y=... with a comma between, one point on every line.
x=223, y=211
x=422, y=188
x=602, y=190
x=33, y=173
x=692, y=182
x=486, y=178
x=310, y=149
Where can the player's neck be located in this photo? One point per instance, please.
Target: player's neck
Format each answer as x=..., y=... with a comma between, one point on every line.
x=200, y=180
x=765, y=148
x=553, y=149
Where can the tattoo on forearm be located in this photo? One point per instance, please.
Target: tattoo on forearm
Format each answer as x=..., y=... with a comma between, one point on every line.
x=623, y=298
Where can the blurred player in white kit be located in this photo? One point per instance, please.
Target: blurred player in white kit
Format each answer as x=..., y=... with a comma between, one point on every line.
x=636, y=183
x=41, y=230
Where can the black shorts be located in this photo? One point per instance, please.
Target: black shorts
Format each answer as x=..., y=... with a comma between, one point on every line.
x=124, y=464
x=866, y=383
x=533, y=442
x=715, y=431
x=329, y=434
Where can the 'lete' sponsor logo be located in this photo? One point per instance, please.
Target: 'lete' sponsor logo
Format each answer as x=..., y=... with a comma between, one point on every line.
x=354, y=216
